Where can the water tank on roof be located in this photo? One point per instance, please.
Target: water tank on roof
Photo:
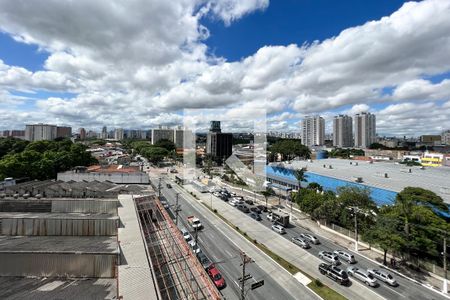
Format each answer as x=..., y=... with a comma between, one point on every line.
x=322, y=154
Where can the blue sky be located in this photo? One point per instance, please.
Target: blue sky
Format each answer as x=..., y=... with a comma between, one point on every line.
x=132, y=66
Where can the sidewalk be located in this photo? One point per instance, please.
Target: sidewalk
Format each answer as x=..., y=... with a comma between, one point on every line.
x=425, y=278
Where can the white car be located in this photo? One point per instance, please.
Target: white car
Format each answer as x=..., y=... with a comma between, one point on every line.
x=195, y=248
x=329, y=257
x=217, y=194
x=383, y=276
x=350, y=258
x=279, y=229
x=359, y=274
x=187, y=236
x=310, y=238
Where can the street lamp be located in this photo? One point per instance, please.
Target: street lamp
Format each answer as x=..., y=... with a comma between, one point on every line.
x=355, y=211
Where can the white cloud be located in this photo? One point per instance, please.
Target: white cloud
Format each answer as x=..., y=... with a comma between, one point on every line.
x=135, y=63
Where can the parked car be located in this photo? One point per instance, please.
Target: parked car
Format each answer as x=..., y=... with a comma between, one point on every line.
x=187, y=236
x=278, y=228
x=216, y=277
x=223, y=197
x=383, y=276
x=249, y=201
x=311, y=238
x=301, y=242
x=329, y=257
x=255, y=210
x=334, y=273
x=359, y=274
x=234, y=202
x=195, y=248
x=350, y=258
x=263, y=208
x=255, y=216
x=204, y=260
x=243, y=208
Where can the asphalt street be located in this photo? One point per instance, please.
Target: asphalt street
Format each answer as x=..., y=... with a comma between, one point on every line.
x=226, y=256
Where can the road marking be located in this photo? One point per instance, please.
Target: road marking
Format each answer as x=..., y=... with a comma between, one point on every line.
x=388, y=287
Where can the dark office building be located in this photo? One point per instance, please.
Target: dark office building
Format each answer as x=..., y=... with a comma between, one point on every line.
x=218, y=144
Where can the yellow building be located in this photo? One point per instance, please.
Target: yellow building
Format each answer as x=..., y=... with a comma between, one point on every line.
x=432, y=159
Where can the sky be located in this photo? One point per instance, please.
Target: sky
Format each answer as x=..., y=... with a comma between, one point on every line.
x=139, y=64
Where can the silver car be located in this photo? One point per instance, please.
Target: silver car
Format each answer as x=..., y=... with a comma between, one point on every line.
x=383, y=276
x=329, y=257
x=365, y=277
x=301, y=242
x=345, y=256
x=310, y=238
x=279, y=229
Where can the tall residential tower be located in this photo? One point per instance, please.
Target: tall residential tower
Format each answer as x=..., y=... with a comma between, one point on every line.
x=313, y=131
x=365, y=130
x=342, y=131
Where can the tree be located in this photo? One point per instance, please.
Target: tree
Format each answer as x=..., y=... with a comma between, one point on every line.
x=267, y=193
x=155, y=154
x=385, y=234
x=300, y=176
x=314, y=186
x=166, y=144
x=289, y=149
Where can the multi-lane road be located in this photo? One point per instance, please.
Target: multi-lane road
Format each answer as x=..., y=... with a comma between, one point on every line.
x=407, y=289
x=226, y=255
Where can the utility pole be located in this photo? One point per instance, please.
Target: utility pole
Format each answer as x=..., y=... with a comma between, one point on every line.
x=159, y=188
x=245, y=260
x=196, y=235
x=445, y=287
x=177, y=209
x=355, y=211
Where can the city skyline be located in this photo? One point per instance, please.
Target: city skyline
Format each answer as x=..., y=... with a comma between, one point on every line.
x=387, y=60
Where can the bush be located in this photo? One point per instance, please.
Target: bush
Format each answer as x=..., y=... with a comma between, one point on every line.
x=318, y=283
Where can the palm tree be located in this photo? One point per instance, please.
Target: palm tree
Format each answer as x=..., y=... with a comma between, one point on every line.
x=300, y=176
x=267, y=193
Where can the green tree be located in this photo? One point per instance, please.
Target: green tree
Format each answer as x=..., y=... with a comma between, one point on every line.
x=300, y=176
x=314, y=186
x=155, y=154
x=166, y=144
x=267, y=193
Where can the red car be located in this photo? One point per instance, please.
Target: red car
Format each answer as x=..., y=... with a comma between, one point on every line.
x=216, y=277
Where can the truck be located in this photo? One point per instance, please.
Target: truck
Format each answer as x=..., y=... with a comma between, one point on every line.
x=334, y=273
x=195, y=222
x=278, y=217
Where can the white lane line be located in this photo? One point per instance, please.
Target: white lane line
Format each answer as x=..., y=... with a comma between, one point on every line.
x=388, y=287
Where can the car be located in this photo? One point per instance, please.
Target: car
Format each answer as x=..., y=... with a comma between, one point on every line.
x=301, y=242
x=232, y=194
x=359, y=274
x=329, y=257
x=216, y=277
x=168, y=186
x=187, y=236
x=334, y=273
x=204, y=260
x=243, y=208
x=350, y=258
x=249, y=202
x=270, y=217
x=255, y=216
x=255, y=210
x=223, y=197
x=278, y=228
x=234, y=202
x=217, y=194
x=165, y=204
x=310, y=238
x=195, y=248
x=383, y=276
x=263, y=208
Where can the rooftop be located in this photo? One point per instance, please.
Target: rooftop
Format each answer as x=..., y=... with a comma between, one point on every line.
x=56, y=215
x=59, y=244
x=57, y=288
x=398, y=176
x=113, y=169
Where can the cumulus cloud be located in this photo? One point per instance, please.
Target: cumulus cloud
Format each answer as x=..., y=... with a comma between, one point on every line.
x=135, y=63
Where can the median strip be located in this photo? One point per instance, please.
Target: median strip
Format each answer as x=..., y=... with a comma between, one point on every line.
x=316, y=285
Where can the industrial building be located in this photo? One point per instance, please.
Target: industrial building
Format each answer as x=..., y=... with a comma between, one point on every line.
x=112, y=173
x=108, y=242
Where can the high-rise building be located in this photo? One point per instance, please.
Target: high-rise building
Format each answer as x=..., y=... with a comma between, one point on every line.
x=91, y=134
x=40, y=132
x=82, y=133
x=313, y=131
x=445, y=137
x=218, y=144
x=118, y=134
x=63, y=132
x=365, y=130
x=342, y=131
x=180, y=135
x=104, y=134
x=162, y=134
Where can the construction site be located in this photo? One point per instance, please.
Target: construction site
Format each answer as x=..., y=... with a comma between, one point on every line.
x=94, y=240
